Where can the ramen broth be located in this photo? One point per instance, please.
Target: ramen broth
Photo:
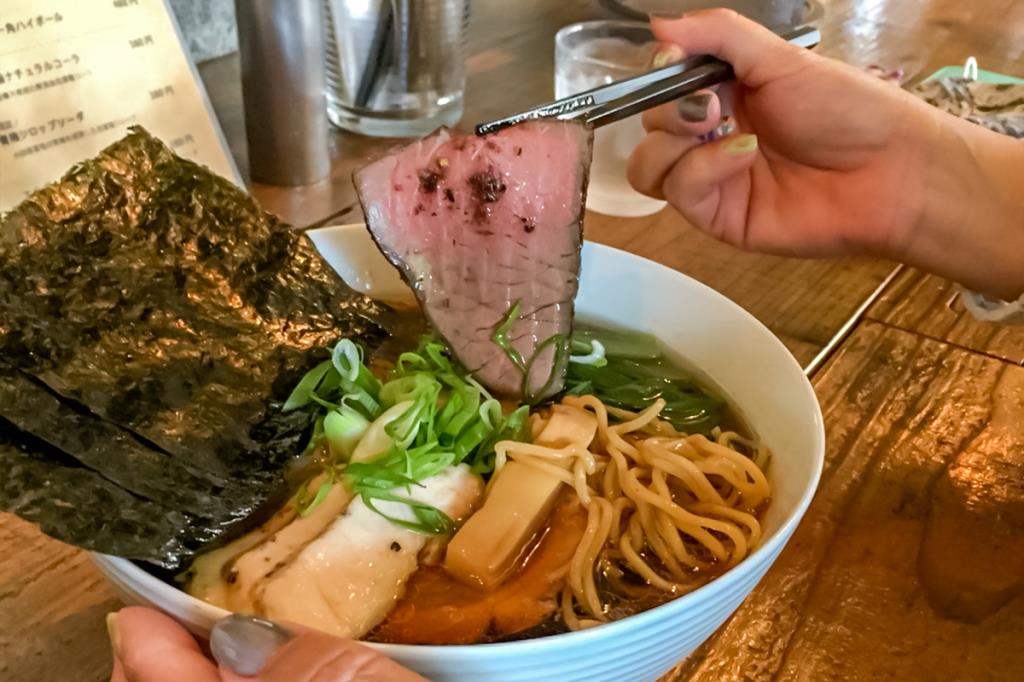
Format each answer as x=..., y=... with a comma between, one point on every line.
x=438, y=609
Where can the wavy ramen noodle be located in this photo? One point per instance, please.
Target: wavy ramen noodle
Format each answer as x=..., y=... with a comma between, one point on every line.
x=670, y=509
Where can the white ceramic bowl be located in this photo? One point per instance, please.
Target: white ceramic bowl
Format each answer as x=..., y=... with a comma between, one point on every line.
x=741, y=356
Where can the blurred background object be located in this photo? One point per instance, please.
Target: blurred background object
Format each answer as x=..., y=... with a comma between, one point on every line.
x=776, y=14
x=395, y=67
x=595, y=53
x=207, y=27
x=281, y=50
x=209, y=30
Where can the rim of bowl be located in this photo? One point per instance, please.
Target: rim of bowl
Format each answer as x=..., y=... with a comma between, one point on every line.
x=722, y=582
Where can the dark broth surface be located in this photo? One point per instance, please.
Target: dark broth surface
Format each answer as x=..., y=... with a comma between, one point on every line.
x=642, y=597
x=432, y=595
x=727, y=418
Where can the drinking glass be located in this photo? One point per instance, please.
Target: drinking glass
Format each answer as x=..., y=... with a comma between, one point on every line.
x=395, y=68
x=595, y=53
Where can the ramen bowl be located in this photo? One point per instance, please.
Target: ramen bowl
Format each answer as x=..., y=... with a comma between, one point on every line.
x=738, y=354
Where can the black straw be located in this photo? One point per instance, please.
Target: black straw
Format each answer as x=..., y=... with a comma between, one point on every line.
x=380, y=46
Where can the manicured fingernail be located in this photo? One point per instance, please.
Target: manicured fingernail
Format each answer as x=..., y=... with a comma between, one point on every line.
x=724, y=129
x=114, y=633
x=244, y=644
x=694, y=108
x=741, y=144
x=667, y=54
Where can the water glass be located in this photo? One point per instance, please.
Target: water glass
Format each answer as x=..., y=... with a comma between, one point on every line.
x=595, y=53
x=395, y=68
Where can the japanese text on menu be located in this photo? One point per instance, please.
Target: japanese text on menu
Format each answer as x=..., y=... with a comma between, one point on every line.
x=75, y=75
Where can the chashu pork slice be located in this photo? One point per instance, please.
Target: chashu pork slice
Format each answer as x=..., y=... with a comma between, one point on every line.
x=347, y=580
x=476, y=224
x=251, y=568
x=227, y=576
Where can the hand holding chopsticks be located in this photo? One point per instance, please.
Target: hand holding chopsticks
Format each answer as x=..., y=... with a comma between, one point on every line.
x=610, y=103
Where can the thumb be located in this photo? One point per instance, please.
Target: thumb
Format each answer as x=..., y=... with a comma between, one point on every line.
x=151, y=647
x=251, y=649
x=756, y=54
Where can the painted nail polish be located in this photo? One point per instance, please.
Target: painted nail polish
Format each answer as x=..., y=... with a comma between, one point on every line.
x=113, y=632
x=244, y=644
x=667, y=54
x=741, y=144
x=694, y=108
x=724, y=129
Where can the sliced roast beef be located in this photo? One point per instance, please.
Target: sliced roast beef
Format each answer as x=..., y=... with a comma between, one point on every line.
x=482, y=227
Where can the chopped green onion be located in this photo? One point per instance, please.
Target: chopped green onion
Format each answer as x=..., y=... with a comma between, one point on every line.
x=480, y=387
x=417, y=362
x=397, y=467
x=514, y=428
x=446, y=417
x=315, y=437
x=500, y=336
x=594, y=353
x=343, y=428
x=429, y=520
x=372, y=475
x=420, y=415
x=458, y=412
x=561, y=349
x=347, y=359
x=368, y=406
x=321, y=493
x=330, y=384
x=407, y=388
x=436, y=353
x=326, y=404
x=303, y=392
x=621, y=343
x=469, y=439
x=490, y=413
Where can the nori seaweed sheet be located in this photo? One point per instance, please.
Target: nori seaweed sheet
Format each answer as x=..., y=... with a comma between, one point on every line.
x=152, y=321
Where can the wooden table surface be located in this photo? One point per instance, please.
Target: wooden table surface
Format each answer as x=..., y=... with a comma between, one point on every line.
x=910, y=562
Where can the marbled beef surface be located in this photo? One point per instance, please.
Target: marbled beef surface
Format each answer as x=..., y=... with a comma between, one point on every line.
x=478, y=223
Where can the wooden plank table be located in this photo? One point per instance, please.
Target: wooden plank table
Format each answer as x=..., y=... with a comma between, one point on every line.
x=910, y=562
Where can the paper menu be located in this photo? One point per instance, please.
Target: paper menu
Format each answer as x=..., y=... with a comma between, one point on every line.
x=74, y=74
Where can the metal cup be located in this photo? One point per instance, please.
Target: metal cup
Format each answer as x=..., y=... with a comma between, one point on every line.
x=281, y=46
